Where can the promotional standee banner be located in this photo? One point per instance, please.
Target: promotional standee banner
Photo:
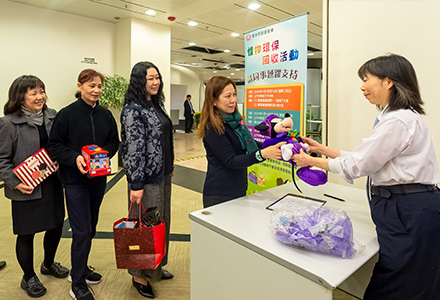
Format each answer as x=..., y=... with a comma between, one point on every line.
x=276, y=75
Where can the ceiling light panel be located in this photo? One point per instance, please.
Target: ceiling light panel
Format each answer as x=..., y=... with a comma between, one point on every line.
x=254, y=6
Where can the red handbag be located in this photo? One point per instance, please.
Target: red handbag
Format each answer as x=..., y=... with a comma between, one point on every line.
x=138, y=248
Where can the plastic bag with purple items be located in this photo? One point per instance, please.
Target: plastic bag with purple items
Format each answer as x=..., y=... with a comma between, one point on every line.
x=317, y=228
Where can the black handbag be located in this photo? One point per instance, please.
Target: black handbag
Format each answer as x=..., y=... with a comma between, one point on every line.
x=150, y=217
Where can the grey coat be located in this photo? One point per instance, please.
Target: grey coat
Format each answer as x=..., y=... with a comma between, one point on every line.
x=19, y=140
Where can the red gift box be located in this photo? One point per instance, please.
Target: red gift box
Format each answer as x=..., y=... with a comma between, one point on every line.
x=35, y=168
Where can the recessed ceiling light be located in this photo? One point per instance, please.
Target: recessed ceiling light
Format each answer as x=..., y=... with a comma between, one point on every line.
x=214, y=71
x=226, y=50
x=150, y=12
x=254, y=6
x=232, y=73
x=192, y=23
x=237, y=69
x=234, y=34
x=310, y=54
x=192, y=44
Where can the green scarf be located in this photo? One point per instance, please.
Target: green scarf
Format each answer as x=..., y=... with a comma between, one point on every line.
x=241, y=131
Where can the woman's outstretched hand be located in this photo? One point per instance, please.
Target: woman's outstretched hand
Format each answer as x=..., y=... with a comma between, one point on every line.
x=314, y=145
x=320, y=148
x=273, y=152
x=302, y=159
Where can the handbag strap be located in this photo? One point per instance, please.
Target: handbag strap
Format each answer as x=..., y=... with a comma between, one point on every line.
x=129, y=209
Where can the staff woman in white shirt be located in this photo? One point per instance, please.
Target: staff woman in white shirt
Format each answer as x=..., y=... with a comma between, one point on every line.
x=400, y=159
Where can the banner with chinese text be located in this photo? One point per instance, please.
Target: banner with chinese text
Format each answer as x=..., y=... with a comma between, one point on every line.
x=276, y=75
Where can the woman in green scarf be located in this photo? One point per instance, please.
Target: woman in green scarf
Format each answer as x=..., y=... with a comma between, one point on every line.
x=230, y=148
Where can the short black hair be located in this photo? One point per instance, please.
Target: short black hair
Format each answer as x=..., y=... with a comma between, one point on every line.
x=405, y=93
x=188, y=96
x=18, y=90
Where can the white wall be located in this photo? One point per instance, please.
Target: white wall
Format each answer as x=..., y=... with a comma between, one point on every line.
x=152, y=42
x=123, y=49
x=363, y=29
x=51, y=46
x=314, y=90
x=191, y=79
x=241, y=94
x=178, y=97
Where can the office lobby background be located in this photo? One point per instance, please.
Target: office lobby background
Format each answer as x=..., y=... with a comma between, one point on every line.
x=52, y=46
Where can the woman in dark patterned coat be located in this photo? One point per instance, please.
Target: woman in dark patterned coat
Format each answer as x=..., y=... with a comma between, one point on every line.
x=147, y=154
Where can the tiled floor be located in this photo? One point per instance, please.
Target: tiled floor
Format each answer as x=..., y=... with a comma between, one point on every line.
x=116, y=284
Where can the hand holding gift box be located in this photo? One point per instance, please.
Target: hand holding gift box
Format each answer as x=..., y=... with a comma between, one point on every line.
x=35, y=168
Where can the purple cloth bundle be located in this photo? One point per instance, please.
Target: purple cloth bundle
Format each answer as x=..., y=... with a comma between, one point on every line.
x=316, y=228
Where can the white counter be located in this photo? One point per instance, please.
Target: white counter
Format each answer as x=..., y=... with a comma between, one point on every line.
x=223, y=233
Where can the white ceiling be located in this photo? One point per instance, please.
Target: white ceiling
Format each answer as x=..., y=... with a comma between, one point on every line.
x=216, y=19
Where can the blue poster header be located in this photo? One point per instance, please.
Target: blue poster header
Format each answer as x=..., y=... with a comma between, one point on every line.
x=277, y=53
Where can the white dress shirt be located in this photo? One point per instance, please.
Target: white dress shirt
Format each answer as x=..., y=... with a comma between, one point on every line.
x=399, y=151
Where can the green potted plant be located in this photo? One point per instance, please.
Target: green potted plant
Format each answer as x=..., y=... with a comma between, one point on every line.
x=112, y=97
x=197, y=118
x=113, y=91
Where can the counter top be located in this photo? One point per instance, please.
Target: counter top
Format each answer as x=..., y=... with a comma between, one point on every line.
x=245, y=220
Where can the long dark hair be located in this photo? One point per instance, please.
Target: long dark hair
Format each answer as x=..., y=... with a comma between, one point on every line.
x=137, y=91
x=88, y=75
x=210, y=113
x=18, y=90
x=404, y=93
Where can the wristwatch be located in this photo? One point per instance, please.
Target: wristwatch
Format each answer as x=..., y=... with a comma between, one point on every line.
x=259, y=156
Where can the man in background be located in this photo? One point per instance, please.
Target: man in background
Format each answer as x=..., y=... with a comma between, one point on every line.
x=189, y=114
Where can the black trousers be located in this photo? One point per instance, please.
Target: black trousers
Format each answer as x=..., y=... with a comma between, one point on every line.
x=189, y=121
x=83, y=203
x=407, y=228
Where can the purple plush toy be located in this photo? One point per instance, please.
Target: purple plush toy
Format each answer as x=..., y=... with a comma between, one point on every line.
x=281, y=131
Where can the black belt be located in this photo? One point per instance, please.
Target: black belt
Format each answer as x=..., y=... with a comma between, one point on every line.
x=385, y=191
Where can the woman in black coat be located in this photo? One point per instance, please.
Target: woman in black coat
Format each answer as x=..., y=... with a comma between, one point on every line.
x=230, y=148
x=83, y=122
